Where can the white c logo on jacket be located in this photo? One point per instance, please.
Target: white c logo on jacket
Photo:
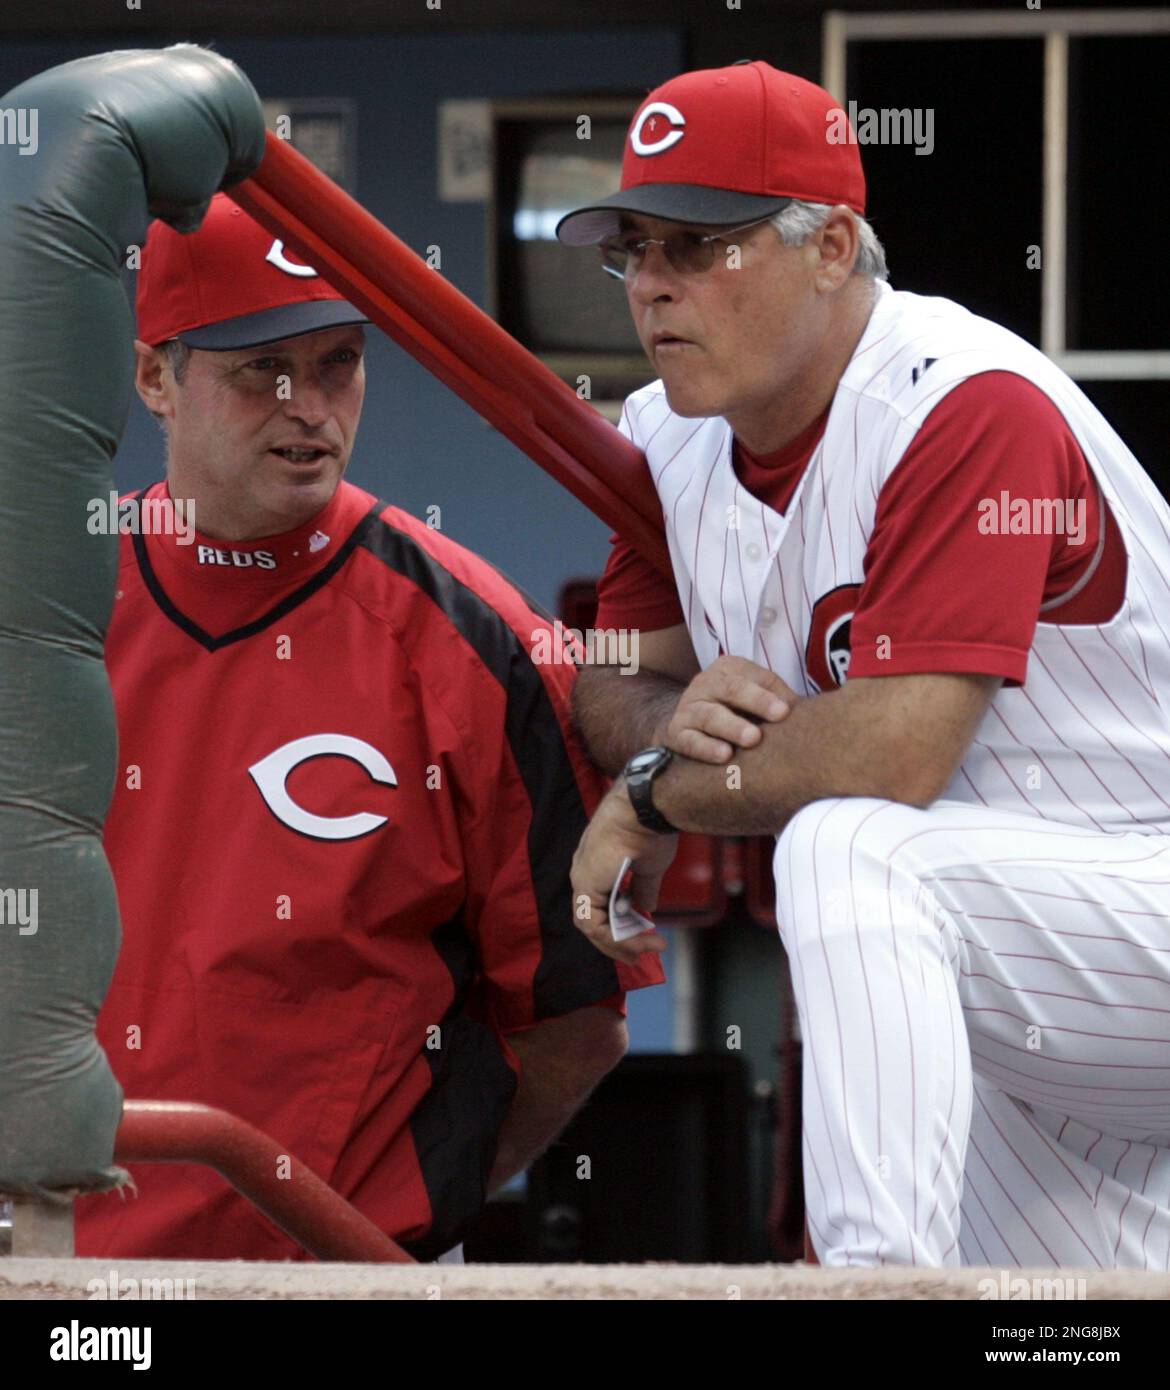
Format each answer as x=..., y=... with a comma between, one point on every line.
x=271, y=775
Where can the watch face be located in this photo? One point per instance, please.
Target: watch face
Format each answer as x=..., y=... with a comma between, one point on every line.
x=640, y=762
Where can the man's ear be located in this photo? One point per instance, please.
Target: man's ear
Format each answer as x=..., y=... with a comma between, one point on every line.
x=839, y=242
x=153, y=379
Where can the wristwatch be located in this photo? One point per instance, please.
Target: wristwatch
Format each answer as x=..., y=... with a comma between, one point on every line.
x=640, y=773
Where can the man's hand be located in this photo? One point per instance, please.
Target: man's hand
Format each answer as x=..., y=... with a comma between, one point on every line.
x=708, y=723
x=612, y=836
x=561, y=1061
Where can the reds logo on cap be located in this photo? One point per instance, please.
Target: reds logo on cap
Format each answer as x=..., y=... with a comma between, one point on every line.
x=231, y=285
x=755, y=140
x=277, y=258
x=655, y=115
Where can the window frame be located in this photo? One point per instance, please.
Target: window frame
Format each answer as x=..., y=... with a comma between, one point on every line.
x=1055, y=28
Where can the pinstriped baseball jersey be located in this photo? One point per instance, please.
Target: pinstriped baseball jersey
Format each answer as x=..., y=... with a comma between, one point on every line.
x=982, y=986
x=1086, y=740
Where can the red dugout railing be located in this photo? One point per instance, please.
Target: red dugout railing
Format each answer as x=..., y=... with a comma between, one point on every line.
x=302, y=1205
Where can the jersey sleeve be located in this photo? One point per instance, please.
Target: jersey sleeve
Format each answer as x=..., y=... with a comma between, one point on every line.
x=633, y=595
x=945, y=588
x=519, y=843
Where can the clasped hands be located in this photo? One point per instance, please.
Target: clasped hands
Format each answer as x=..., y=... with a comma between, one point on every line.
x=719, y=713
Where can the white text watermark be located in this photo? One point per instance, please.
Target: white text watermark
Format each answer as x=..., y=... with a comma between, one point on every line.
x=141, y=516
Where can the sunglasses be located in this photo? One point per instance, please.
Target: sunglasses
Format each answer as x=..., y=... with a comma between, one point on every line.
x=690, y=253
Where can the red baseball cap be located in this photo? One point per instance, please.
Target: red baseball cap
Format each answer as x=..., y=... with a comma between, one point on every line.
x=726, y=145
x=230, y=285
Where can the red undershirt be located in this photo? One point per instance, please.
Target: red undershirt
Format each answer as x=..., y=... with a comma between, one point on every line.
x=950, y=597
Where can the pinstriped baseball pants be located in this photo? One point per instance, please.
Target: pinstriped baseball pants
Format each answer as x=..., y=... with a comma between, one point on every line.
x=984, y=999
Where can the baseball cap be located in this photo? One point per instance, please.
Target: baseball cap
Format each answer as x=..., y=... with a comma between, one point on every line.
x=230, y=285
x=727, y=145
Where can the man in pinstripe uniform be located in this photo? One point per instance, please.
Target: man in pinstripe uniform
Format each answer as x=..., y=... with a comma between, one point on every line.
x=918, y=633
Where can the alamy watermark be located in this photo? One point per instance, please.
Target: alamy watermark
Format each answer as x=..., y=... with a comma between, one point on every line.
x=141, y=516
x=887, y=125
x=568, y=646
x=1033, y=516
x=1034, y=1288
x=18, y=126
x=82, y=1342
x=127, y=1287
x=18, y=908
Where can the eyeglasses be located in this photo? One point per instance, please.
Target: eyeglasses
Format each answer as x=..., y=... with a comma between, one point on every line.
x=690, y=253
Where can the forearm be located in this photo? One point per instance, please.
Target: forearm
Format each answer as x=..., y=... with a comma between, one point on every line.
x=621, y=713
x=820, y=749
x=562, y=1060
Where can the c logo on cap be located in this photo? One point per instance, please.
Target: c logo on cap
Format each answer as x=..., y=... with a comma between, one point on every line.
x=277, y=258
x=649, y=120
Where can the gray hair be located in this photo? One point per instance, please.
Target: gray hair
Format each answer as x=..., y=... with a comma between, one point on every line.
x=800, y=220
x=178, y=355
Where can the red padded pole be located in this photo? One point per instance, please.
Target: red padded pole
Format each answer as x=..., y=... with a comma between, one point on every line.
x=458, y=342
x=302, y=1205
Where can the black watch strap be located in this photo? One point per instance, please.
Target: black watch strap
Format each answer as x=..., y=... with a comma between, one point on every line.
x=640, y=773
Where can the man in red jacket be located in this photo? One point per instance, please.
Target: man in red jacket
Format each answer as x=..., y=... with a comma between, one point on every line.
x=348, y=796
